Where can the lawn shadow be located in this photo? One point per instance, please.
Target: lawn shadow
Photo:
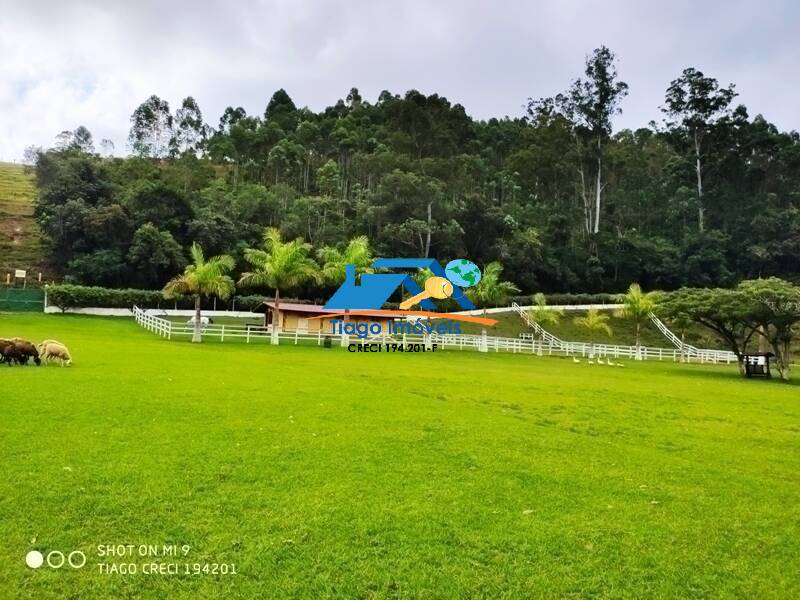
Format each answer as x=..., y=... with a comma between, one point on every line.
x=722, y=373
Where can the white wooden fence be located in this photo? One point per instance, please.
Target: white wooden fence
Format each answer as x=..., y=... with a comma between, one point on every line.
x=640, y=353
x=538, y=343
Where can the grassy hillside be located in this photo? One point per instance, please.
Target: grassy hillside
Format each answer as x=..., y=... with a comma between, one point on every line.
x=322, y=473
x=20, y=242
x=511, y=325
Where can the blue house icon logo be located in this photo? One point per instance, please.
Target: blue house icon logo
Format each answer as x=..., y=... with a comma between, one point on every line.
x=375, y=289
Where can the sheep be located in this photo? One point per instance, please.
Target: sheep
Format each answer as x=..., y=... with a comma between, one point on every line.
x=44, y=343
x=4, y=343
x=56, y=351
x=20, y=350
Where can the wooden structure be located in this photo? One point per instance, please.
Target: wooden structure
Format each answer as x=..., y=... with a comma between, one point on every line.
x=297, y=317
x=757, y=364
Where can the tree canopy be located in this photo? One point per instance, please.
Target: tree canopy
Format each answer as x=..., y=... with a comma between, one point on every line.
x=566, y=203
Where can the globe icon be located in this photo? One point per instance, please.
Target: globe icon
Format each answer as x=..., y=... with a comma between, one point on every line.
x=463, y=272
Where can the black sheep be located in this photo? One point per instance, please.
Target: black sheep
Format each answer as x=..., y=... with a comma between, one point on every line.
x=20, y=351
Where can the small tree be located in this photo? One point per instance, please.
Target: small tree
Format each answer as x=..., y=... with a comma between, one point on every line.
x=357, y=253
x=637, y=306
x=280, y=265
x=544, y=315
x=725, y=312
x=681, y=322
x=202, y=278
x=593, y=322
x=490, y=290
x=775, y=306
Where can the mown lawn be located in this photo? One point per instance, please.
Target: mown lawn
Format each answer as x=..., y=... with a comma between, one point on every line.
x=323, y=473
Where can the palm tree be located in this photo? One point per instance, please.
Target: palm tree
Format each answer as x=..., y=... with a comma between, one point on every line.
x=543, y=315
x=202, y=278
x=280, y=265
x=490, y=289
x=357, y=252
x=637, y=306
x=594, y=322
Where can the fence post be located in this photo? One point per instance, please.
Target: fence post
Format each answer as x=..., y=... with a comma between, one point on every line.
x=222, y=335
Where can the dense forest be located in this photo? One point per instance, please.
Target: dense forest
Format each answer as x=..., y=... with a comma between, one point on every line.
x=705, y=195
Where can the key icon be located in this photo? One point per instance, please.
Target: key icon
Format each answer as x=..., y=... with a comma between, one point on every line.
x=435, y=287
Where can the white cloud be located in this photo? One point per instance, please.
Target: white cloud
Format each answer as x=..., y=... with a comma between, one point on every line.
x=91, y=63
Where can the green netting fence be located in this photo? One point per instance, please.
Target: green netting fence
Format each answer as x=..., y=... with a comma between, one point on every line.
x=19, y=299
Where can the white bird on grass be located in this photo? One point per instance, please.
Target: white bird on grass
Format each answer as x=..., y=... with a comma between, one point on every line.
x=575, y=360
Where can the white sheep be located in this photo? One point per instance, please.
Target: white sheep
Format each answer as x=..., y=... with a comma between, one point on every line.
x=56, y=351
x=41, y=345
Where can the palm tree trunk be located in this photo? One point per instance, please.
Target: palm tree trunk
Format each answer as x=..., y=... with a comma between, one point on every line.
x=276, y=318
x=196, y=336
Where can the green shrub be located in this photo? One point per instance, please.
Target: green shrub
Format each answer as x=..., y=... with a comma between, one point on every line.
x=67, y=296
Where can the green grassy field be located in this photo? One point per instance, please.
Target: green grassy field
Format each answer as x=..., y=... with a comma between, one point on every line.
x=322, y=473
x=20, y=242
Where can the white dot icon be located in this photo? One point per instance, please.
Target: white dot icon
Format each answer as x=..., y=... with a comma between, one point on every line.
x=34, y=559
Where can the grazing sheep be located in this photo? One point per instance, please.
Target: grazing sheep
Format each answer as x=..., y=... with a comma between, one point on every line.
x=3, y=345
x=27, y=350
x=41, y=345
x=56, y=351
x=19, y=350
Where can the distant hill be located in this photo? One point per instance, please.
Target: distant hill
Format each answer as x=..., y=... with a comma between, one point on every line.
x=20, y=240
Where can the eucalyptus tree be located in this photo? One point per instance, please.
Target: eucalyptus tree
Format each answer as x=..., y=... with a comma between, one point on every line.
x=694, y=103
x=190, y=131
x=203, y=277
x=589, y=106
x=151, y=128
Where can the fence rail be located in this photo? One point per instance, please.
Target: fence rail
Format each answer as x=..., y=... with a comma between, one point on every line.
x=641, y=353
x=539, y=343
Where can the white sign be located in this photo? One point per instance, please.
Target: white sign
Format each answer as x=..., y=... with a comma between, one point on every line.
x=20, y=273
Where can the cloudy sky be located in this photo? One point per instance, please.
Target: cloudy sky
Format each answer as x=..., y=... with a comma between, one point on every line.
x=64, y=64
